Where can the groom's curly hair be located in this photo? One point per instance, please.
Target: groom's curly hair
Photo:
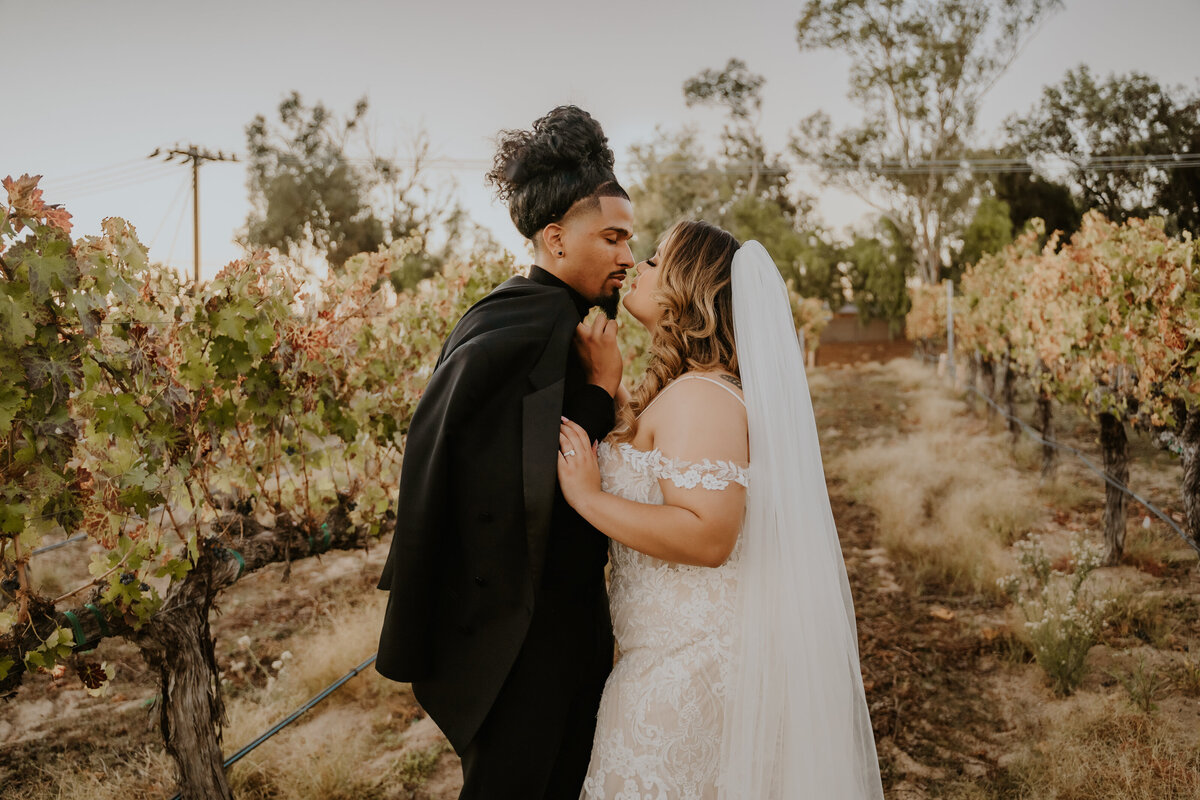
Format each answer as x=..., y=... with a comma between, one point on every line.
x=695, y=331
x=543, y=172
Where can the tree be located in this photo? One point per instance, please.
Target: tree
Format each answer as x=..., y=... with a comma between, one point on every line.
x=919, y=70
x=988, y=232
x=738, y=90
x=745, y=190
x=879, y=266
x=1029, y=196
x=676, y=180
x=309, y=196
x=1098, y=126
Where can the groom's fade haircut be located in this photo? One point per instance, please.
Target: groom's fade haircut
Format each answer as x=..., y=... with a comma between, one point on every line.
x=542, y=173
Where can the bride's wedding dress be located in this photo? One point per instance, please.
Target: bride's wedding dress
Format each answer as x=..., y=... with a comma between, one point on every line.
x=658, y=731
x=740, y=682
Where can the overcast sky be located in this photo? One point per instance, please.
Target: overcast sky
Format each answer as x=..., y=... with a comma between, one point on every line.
x=93, y=86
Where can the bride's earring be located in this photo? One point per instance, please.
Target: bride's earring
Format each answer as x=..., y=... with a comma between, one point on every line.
x=560, y=253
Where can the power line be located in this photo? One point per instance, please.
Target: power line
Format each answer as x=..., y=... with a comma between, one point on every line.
x=167, y=213
x=887, y=167
x=178, y=225
x=92, y=175
x=109, y=181
x=126, y=174
x=1115, y=164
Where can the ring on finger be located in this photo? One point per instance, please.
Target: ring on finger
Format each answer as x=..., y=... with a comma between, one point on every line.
x=570, y=452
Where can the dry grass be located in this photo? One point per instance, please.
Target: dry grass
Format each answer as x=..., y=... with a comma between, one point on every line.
x=1069, y=491
x=1152, y=548
x=1099, y=748
x=145, y=775
x=320, y=755
x=318, y=761
x=1138, y=615
x=348, y=748
x=948, y=497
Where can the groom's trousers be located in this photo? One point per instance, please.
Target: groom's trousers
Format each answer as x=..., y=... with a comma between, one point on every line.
x=536, y=740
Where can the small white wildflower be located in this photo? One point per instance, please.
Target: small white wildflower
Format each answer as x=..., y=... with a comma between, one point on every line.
x=243, y=643
x=277, y=665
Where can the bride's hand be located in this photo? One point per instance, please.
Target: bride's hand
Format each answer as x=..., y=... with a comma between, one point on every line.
x=578, y=467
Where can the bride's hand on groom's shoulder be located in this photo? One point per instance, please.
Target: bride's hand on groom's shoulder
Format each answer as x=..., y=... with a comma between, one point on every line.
x=578, y=466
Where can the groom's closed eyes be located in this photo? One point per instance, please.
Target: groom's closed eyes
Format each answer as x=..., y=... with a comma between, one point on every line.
x=615, y=234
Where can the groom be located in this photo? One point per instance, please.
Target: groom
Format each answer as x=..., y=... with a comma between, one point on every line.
x=497, y=612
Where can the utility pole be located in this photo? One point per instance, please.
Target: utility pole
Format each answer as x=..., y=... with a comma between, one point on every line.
x=950, y=330
x=195, y=155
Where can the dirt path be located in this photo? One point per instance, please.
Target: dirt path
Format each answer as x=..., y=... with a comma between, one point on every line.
x=922, y=668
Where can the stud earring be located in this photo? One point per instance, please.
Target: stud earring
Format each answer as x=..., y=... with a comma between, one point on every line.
x=560, y=253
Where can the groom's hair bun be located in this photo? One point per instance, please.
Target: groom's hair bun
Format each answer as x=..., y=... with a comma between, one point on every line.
x=542, y=172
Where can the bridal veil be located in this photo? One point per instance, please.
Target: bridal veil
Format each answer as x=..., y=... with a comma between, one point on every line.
x=796, y=724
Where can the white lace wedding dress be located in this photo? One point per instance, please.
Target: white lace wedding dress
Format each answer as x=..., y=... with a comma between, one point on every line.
x=658, y=731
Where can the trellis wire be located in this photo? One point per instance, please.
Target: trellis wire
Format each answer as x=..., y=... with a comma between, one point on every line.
x=1037, y=436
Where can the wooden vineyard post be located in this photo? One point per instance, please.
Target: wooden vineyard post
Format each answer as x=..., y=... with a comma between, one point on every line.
x=1045, y=421
x=972, y=379
x=987, y=367
x=1116, y=466
x=1010, y=400
x=950, y=330
x=1190, y=485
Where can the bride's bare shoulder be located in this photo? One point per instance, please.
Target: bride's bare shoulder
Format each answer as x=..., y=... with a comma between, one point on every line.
x=701, y=418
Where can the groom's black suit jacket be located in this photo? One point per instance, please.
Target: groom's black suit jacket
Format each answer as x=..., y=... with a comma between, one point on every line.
x=483, y=539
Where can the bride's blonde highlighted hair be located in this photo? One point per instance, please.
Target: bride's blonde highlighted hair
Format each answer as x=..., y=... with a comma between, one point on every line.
x=695, y=331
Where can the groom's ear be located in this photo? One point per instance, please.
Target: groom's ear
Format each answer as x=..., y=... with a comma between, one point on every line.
x=552, y=239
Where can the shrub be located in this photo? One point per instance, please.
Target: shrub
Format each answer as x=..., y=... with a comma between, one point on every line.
x=1062, y=617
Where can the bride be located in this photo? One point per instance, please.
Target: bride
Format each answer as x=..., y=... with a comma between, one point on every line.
x=738, y=675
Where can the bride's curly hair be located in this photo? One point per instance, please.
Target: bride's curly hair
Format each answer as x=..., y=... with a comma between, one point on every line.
x=695, y=331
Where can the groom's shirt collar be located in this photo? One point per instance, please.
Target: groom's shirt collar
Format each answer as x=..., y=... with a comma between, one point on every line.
x=546, y=278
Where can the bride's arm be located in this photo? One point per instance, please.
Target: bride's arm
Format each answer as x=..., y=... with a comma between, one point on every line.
x=696, y=526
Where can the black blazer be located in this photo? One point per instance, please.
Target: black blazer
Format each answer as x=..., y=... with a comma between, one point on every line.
x=477, y=492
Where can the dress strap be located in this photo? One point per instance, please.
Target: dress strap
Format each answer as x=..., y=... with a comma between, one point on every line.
x=686, y=377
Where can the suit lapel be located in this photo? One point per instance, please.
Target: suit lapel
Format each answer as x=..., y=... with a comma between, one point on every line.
x=540, y=467
x=541, y=414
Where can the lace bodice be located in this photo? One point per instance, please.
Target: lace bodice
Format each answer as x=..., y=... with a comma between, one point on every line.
x=659, y=724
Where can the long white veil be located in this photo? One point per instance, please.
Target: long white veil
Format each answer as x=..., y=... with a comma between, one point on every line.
x=796, y=723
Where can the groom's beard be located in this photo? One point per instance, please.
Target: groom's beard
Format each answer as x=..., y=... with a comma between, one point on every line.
x=609, y=303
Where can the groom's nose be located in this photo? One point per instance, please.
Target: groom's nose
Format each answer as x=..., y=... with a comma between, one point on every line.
x=626, y=257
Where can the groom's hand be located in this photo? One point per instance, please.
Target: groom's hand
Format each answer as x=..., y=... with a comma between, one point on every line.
x=598, y=350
